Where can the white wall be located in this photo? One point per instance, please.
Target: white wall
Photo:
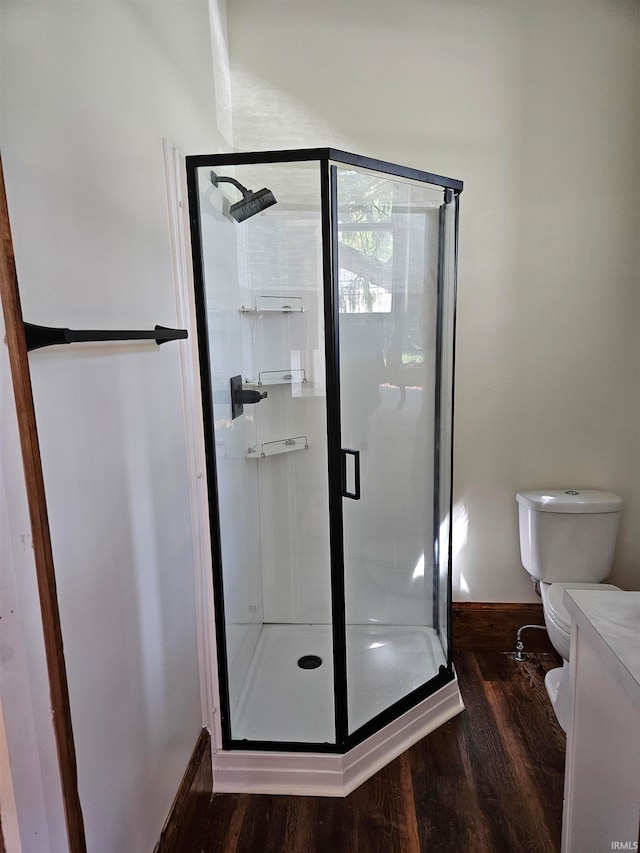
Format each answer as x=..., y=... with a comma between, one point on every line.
x=536, y=106
x=88, y=92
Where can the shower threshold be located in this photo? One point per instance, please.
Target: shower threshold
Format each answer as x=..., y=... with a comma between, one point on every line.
x=282, y=701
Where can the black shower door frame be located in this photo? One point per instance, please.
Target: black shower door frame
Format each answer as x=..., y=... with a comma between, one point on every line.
x=327, y=159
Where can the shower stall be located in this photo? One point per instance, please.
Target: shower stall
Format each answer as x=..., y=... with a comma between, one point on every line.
x=325, y=302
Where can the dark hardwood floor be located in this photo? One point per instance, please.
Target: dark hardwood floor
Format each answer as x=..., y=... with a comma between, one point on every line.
x=489, y=781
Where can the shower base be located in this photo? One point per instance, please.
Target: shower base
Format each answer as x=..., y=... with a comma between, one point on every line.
x=282, y=701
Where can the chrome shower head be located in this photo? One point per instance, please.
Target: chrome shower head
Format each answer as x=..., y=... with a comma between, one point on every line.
x=250, y=203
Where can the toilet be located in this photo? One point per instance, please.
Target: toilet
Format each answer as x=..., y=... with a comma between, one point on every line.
x=567, y=540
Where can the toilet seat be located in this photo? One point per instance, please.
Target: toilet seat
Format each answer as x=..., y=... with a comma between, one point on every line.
x=553, y=600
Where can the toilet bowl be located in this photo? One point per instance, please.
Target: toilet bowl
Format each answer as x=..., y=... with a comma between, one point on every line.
x=567, y=540
x=558, y=623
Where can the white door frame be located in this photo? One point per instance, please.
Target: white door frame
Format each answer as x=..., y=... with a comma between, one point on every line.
x=177, y=200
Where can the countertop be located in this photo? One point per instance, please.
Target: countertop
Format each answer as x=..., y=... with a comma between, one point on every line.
x=614, y=618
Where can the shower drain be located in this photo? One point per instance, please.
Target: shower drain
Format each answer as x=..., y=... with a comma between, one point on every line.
x=309, y=662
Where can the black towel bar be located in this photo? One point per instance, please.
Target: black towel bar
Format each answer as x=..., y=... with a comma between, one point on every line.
x=48, y=336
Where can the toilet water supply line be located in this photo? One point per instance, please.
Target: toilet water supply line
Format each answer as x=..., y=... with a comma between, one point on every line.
x=519, y=654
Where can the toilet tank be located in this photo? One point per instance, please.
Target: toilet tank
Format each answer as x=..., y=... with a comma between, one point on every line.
x=568, y=535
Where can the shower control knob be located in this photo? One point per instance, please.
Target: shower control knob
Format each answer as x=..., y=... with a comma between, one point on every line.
x=245, y=396
x=240, y=396
x=571, y=492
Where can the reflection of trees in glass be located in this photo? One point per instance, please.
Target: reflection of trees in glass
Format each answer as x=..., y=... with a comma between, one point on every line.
x=366, y=243
x=413, y=341
x=383, y=251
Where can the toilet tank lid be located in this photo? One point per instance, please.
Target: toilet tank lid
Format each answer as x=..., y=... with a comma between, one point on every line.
x=570, y=500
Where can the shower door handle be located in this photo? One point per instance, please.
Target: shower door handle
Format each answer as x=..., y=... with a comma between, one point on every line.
x=355, y=494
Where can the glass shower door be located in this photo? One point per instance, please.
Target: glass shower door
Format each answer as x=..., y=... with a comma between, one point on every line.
x=389, y=275
x=260, y=299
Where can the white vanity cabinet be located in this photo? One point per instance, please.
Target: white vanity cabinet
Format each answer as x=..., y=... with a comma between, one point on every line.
x=602, y=774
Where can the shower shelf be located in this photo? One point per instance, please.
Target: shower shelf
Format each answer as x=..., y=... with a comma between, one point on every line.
x=278, y=377
x=258, y=312
x=274, y=305
x=278, y=447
